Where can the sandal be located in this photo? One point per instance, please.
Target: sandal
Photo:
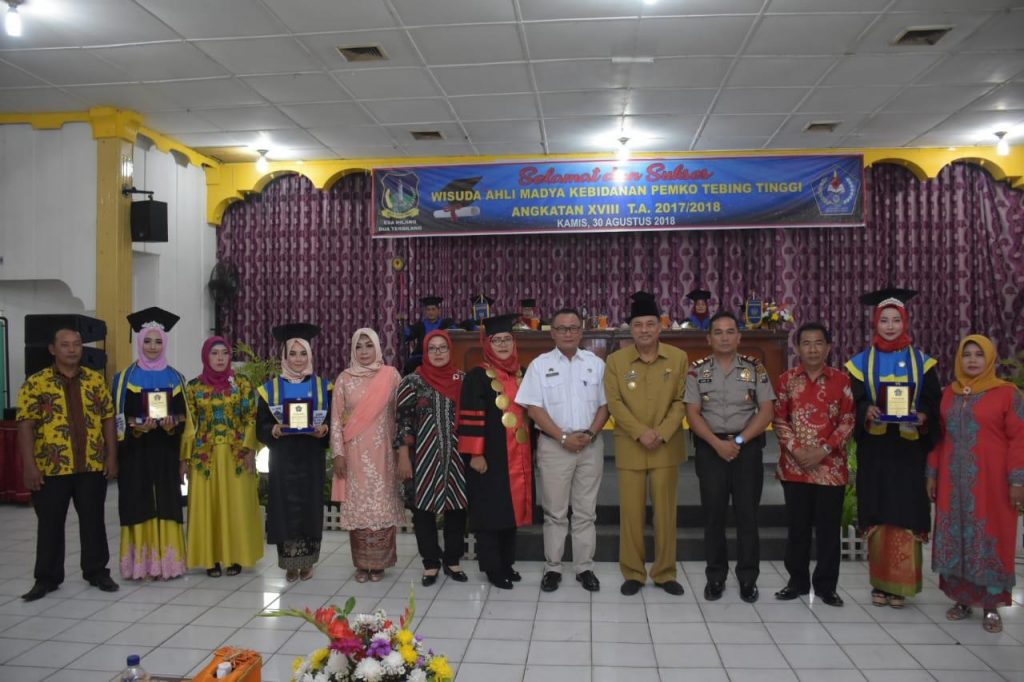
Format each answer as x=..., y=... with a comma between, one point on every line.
x=214, y=572
x=992, y=622
x=896, y=601
x=376, y=576
x=879, y=598
x=306, y=573
x=362, y=575
x=234, y=569
x=958, y=612
x=291, y=575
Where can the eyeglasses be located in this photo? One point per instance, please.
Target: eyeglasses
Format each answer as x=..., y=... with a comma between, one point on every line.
x=438, y=350
x=501, y=340
x=568, y=330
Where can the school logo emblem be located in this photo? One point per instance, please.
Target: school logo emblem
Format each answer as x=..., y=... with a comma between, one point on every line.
x=836, y=192
x=400, y=195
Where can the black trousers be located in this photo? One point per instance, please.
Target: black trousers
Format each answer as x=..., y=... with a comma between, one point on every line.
x=425, y=525
x=89, y=492
x=741, y=480
x=819, y=507
x=496, y=550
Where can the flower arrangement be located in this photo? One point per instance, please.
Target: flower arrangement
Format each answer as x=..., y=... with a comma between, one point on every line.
x=368, y=648
x=776, y=315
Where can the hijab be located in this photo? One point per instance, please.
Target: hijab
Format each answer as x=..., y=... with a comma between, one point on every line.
x=446, y=379
x=965, y=385
x=901, y=341
x=145, y=363
x=509, y=365
x=286, y=372
x=220, y=381
x=354, y=368
x=378, y=394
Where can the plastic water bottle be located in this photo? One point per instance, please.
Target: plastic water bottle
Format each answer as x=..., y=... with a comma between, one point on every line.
x=134, y=671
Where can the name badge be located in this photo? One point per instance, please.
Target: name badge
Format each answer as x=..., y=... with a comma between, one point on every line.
x=157, y=404
x=298, y=415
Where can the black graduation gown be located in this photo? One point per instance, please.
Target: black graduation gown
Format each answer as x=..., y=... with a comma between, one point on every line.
x=891, y=469
x=149, y=473
x=295, y=492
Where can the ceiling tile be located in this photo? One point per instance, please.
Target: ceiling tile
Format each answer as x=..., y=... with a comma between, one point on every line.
x=721, y=126
x=539, y=10
x=248, y=118
x=67, y=67
x=794, y=127
x=395, y=44
x=683, y=72
x=433, y=12
x=878, y=140
x=467, y=44
x=260, y=55
x=967, y=68
x=311, y=153
x=950, y=139
x=78, y=24
x=208, y=93
x=290, y=139
x=18, y=100
x=936, y=98
x=410, y=110
x=12, y=77
x=204, y=19
x=504, y=131
x=912, y=124
x=805, y=141
x=304, y=87
x=1002, y=32
x=825, y=100
x=590, y=74
x=495, y=107
x=175, y=122
x=484, y=79
x=584, y=128
x=689, y=101
x=1010, y=96
x=729, y=142
x=882, y=34
x=222, y=139
x=388, y=83
x=161, y=61
x=844, y=6
x=327, y=115
x=141, y=98
x=698, y=7
x=350, y=135
x=661, y=132
x=759, y=100
x=878, y=69
x=594, y=103
x=688, y=36
x=367, y=151
x=954, y=5
x=511, y=148
x=425, y=149
x=313, y=16
x=403, y=133
x=786, y=71
x=577, y=40
x=807, y=34
x=980, y=123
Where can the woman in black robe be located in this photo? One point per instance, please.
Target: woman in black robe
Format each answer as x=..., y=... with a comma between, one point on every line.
x=291, y=421
x=494, y=434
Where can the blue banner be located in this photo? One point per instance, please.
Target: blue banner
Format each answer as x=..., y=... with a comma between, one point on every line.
x=605, y=196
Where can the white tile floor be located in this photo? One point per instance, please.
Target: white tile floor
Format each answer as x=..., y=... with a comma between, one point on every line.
x=81, y=634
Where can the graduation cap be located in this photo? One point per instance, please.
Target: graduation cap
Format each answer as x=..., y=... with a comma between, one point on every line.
x=699, y=295
x=499, y=324
x=643, y=305
x=431, y=300
x=152, y=317
x=889, y=296
x=461, y=185
x=296, y=330
x=528, y=302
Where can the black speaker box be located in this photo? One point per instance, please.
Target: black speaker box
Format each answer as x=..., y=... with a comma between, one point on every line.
x=39, y=329
x=149, y=221
x=37, y=358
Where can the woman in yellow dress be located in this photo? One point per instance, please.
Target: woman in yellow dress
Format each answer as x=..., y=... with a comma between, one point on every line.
x=218, y=452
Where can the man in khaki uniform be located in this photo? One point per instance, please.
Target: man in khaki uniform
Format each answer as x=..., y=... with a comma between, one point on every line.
x=644, y=385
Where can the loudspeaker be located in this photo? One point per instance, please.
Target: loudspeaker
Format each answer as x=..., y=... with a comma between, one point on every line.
x=37, y=358
x=39, y=329
x=149, y=221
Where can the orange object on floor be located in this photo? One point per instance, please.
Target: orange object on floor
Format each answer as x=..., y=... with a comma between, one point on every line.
x=247, y=665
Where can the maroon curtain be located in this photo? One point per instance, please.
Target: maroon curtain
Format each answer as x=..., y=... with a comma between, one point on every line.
x=306, y=254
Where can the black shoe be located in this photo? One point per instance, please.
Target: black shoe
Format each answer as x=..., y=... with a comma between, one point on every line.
x=457, y=576
x=748, y=592
x=514, y=576
x=832, y=599
x=38, y=591
x=713, y=590
x=550, y=581
x=499, y=581
x=105, y=584
x=788, y=593
x=427, y=580
x=671, y=586
x=630, y=587
x=589, y=581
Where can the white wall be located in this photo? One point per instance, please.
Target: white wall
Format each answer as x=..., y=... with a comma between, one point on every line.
x=173, y=275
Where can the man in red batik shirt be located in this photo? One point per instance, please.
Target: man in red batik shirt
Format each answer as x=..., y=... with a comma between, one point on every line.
x=814, y=417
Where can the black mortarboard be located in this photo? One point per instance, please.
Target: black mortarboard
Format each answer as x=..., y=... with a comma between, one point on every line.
x=699, y=295
x=431, y=300
x=528, y=302
x=461, y=185
x=643, y=305
x=499, y=324
x=152, y=317
x=296, y=330
x=888, y=296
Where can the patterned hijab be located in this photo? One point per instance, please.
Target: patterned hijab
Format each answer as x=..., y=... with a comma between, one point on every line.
x=220, y=381
x=965, y=385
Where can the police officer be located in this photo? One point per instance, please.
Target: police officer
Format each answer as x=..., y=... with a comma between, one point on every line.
x=729, y=406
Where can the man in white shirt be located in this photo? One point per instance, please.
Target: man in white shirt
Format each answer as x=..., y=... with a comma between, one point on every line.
x=563, y=392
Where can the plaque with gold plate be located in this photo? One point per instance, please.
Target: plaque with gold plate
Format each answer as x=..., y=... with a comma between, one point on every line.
x=156, y=403
x=297, y=416
x=896, y=399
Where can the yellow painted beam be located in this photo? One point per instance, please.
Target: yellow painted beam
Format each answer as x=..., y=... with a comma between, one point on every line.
x=114, y=247
x=230, y=182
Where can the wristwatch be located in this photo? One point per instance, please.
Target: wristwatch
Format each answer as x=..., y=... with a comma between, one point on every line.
x=565, y=437
x=827, y=449
x=739, y=440
x=590, y=434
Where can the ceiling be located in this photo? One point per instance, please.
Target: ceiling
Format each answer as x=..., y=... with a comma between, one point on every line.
x=526, y=76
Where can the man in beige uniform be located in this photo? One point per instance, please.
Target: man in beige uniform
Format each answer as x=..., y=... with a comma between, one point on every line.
x=644, y=384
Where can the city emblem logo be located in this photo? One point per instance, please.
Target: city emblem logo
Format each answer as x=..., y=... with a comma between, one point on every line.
x=400, y=197
x=836, y=192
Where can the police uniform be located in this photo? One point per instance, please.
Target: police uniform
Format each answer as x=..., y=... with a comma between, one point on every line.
x=728, y=401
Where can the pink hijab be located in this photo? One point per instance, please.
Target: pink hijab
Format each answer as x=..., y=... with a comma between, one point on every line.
x=140, y=340
x=380, y=391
